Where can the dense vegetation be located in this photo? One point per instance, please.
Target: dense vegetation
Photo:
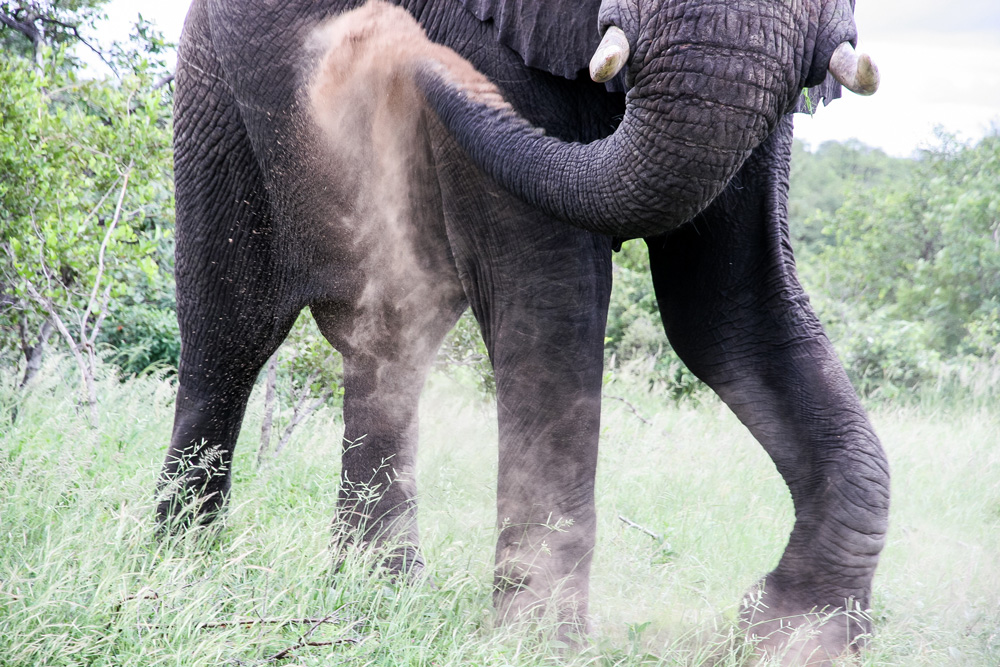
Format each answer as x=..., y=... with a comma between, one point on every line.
x=901, y=258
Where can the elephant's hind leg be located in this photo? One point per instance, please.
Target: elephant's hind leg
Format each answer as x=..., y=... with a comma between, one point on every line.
x=232, y=297
x=737, y=316
x=388, y=349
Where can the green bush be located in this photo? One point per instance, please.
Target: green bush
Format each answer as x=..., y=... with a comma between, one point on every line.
x=635, y=343
x=142, y=338
x=910, y=286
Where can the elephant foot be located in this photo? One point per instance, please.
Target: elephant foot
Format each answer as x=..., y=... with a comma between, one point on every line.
x=193, y=489
x=788, y=632
x=555, y=612
x=193, y=506
x=395, y=556
x=403, y=563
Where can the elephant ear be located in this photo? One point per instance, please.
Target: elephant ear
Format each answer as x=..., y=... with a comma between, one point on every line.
x=557, y=36
x=811, y=98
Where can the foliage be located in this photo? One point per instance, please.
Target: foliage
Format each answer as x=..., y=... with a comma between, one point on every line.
x=821, y=179
x=912, y=278
x=85, y=195
x=901, y=259
x=900, y=256
x=635, y=344
x=306, y=374
x=463, y=355
x=310, y=361
x=142, y=337
x=27, y=26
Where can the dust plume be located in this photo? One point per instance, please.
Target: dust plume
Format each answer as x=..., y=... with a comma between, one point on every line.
x=382, y=217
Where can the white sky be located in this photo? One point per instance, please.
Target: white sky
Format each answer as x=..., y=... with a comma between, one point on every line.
x=938, y=69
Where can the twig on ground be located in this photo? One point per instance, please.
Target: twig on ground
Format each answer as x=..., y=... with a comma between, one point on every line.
x=304, y=641
x=630, y=407
x=250, y=622
x=633, y=524
x=284, y=653
x=143, y=594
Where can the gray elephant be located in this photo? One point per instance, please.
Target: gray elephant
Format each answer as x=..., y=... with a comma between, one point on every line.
x=343, y=162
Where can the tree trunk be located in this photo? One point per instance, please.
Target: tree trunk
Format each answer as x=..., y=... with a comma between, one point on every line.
x=302, y=412
x=34, y=354
x=268, y=423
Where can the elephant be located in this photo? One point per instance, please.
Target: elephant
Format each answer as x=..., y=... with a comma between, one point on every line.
x=390, y=166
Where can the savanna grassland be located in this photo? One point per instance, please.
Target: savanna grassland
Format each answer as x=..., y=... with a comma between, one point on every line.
x=84, y=581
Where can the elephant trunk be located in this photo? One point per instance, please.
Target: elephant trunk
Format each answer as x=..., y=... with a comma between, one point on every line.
x=696, y=109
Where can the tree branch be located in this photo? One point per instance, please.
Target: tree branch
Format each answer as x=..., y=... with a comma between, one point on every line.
x=250, y=622
x=100, y=257
x=630, y=407
x=300, y=414
x=633, y=524
x=86, y=371
x=33, y=354
x=76, y=33
x=168, y=79
x=29, y=30
x=268, y=420
x=304, y=641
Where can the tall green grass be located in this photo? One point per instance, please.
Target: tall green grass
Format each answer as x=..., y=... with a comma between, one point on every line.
x=83, y=581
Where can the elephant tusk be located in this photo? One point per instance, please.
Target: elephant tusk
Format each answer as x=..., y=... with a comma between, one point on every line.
x=855, y=71
x=610, y=56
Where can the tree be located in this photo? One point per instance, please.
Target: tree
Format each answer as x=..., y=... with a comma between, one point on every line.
x=85, y=200
x=821, y=180
x=28, y=27
x=914, y=269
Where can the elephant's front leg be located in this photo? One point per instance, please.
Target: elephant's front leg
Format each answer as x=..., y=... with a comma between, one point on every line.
x=735, y=313
x=539, y=290
x=546, y=339
x=549, y=418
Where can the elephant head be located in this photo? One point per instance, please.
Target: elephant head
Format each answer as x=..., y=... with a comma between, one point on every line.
x=707, y=82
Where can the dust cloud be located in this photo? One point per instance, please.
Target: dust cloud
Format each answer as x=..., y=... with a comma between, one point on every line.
x=369, y=122
x=370, y=117
x=375, y=129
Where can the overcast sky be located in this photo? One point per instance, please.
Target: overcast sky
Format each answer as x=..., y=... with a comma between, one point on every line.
x=939, y=59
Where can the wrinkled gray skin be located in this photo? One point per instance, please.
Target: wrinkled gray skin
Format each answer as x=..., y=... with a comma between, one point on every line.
x=387, y=216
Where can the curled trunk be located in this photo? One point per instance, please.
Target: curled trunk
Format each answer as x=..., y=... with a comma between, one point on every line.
x=694, y=113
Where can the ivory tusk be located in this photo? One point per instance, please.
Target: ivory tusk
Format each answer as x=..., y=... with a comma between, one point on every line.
x=855, y=71
x=610, y=56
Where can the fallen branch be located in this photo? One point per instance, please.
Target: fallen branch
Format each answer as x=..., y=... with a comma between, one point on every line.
x=633, y=524
x=284, y=653
x=630, y=407
x=304, y=641
x=250, y=622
